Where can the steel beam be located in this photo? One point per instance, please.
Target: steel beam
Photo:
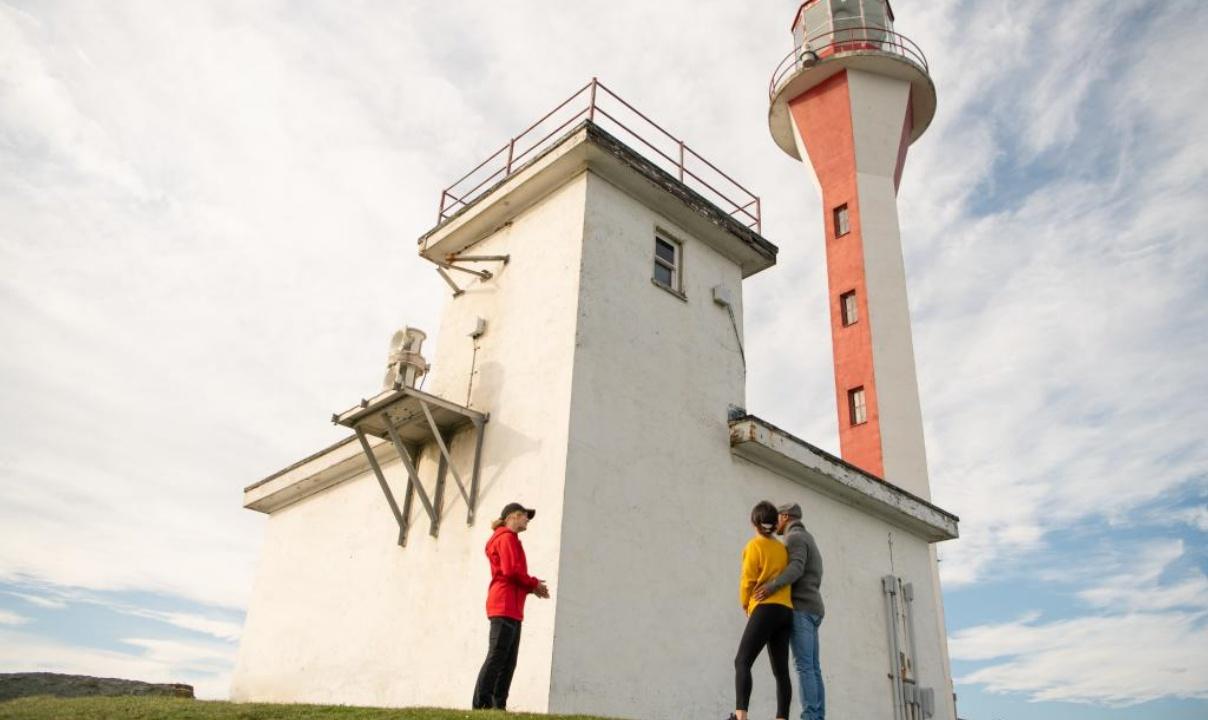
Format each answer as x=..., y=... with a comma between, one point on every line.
x=444, y=450
x=480, y=258
x=473, y=501
x=411, y=472
x=408, y=503
x=481, y=274
x=445, y=276
x=438, y=496
x=381, y=478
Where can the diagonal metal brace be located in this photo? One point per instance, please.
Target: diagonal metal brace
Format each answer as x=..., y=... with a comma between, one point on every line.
x=481, y=274
x=444, y=451
x=445, y=276
x=412, y=475
x=399, y=517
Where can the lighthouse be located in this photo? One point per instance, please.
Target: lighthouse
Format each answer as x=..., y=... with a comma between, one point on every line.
x=590, y=362
x=848, y=101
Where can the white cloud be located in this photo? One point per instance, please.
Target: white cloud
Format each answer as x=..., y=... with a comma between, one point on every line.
x=1112, y=660
x=41, y=600
x=1196, y=517
x=1056, y=281
x=206, y=225
x=7, y=617
x=1149, y=640
x=206, y=667
x=1137, y=586
x=221, y=629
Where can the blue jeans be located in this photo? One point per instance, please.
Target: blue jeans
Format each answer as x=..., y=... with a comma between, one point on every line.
x=809, y=671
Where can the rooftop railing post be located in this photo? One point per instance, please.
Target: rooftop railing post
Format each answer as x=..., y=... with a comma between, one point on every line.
x=511, y=151
x=681, y=162
x=758, y=216
x=591, y=105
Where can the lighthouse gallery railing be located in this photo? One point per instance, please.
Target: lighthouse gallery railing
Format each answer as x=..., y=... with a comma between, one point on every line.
x=832, y=41
x=600, y=105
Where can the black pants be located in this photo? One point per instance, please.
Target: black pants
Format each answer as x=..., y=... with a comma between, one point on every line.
x=770, y=625
x=495, y=678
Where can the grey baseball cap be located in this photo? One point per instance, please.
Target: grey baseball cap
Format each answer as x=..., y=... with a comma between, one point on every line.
x=793, y=510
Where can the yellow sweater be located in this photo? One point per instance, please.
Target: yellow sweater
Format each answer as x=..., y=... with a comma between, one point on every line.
x=762, y=560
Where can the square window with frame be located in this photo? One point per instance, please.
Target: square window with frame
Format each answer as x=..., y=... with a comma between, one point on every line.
x=857, y=406
x=842, y=221
x=668, y=262
x=849, y=310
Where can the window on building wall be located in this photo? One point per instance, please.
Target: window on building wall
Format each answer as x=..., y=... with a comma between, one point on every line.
x=848, y=312
x=667, y=263
x=856, y=406
x=841, y=221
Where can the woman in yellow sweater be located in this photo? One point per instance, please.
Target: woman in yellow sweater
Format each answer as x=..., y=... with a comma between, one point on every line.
x=769, y=621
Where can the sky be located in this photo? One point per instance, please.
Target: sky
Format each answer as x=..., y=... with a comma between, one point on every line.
x=207, y=222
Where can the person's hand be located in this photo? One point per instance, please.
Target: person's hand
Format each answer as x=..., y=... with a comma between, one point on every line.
x=762, y=592
x=542, y=590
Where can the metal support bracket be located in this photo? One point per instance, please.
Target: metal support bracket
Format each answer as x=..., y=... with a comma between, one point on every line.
x=505, y=259
x=445, y=276
x=447, y=462
x=399, y=516
x=411, y=419
x=481, y=274
x=412, y=474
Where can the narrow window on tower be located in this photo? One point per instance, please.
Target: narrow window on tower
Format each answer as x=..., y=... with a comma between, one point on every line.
x=667, y=263
x=848, y=311
x=841, y=225
x=856, y=407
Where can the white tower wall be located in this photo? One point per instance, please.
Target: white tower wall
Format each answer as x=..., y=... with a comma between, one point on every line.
x=340, y=613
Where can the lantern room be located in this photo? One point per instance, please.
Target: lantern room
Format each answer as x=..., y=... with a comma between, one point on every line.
x=821, y=26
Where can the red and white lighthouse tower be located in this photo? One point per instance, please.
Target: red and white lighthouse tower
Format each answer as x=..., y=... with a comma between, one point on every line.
x=849, y=100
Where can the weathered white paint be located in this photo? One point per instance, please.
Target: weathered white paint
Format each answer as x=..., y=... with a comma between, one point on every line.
x=608, y=401
x=878, y=109
x=339, y=612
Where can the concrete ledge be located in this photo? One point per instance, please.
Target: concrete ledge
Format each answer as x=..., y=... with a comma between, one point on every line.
x=766, y=445
x=330, y=466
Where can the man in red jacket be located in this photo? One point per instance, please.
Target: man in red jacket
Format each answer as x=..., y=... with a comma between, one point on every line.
x=510, y=586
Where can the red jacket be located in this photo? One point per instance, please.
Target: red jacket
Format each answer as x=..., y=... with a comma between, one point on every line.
x=510, y=581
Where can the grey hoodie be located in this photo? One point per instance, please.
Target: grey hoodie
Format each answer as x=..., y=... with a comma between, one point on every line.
x=804, y=571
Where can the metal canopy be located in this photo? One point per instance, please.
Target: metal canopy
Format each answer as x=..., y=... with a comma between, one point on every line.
x=410, y=419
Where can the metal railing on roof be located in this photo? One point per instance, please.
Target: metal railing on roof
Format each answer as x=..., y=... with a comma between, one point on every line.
x=833, y=41
x=600, y=105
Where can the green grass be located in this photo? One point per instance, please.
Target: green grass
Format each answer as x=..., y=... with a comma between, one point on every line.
x=154, y=708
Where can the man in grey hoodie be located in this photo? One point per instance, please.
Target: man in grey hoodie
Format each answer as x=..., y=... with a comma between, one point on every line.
x=804, y=573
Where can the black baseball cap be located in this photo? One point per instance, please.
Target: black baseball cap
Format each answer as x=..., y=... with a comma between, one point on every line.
x=516, y=507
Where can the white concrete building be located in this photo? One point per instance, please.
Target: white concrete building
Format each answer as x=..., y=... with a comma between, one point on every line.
x=597, y=375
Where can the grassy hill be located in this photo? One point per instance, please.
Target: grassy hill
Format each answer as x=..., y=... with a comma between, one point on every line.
x=155, y=708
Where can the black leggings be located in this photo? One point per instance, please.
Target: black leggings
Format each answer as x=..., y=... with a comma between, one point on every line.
x=770, y=625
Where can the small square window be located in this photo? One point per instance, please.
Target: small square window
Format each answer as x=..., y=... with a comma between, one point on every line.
x=856, y=406
x=849, y=312
x=667, y=263
x=841, y=221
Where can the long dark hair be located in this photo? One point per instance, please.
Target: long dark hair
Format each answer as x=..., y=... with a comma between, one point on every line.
x=763, y=517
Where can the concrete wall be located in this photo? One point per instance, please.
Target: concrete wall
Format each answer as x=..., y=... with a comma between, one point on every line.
x=656, y=506
x=341, y=614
